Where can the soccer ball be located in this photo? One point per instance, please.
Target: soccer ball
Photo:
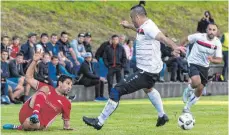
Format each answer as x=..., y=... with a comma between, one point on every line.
x=186, y=121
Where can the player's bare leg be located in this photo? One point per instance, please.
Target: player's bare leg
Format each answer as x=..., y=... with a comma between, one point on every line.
x=155, y=98
x=196, y=84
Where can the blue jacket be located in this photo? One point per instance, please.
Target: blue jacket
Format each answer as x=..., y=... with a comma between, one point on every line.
x=5, y=70
x=25, y=49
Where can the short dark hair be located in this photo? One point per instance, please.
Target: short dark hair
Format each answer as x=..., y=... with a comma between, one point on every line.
x=62, y=78
x=44, y=35
x=4, y=50
x=114, y=36
x=63, y=33
x=15, y=37
x=54, y=57
x=53, y=34
x=19, y=54
x=139, y=9
x=4, y=37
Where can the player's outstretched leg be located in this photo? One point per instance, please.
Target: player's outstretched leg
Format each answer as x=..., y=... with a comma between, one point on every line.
x=155, y=98
x=109, y=108
x=187, y=93
x=12, y=127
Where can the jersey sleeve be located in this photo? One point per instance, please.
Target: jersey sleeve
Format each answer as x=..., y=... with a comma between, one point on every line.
x=151, y=30
x=218, y=52
x=66, y=110
x=194, y=37
x=40, y=84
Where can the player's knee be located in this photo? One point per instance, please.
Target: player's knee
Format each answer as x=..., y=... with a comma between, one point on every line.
x=114, y=95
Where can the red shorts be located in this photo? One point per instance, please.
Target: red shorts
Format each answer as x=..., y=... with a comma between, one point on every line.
x=25, y=112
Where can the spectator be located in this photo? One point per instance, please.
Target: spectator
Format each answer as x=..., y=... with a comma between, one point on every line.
x=67, y=55
x=28, y=48
x=43, y=42
x=53, y=47
x=15, y=47
x=133, y=60
x=99, y=56
x=225, y=42
x=87, y=43
x=128, y=46
x=78, y=47
x=42, y=74
x=114, y=59
x=5, y=43
x=4, y=75
x=122, y=39
x=166, y=53
x=89, y=78
x=15, y=76
x=203, y=23
x=54, y=70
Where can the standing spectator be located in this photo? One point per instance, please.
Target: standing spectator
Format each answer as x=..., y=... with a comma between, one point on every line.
x=53, y=47
x=99, y=57
x=122, y=39
x=28, y=48
x=67, y=54
x=89, y=78
x=15, y=47
x=87, y=43
x=225, y=42
x=115, y=59
x=203, y=23
x=5, y=43
x=42, y=74
x=128, y=46
x=43, y=42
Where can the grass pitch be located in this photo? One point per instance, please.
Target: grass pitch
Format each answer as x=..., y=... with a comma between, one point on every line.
x=135, y=117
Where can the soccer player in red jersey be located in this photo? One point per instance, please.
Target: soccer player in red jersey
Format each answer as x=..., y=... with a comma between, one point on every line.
x=46, y=104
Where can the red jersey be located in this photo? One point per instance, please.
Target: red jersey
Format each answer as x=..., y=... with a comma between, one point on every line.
x=54, y=105
x=14, y=51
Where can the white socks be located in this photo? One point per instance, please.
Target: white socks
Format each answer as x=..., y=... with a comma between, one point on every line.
x=155, y=98
x=192, y=100
x=107, y=111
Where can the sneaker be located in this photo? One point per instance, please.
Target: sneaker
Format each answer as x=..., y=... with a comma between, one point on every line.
x=94, y=122
x=9, y=126
x=186, y=110
x=186, y=94
x=34, y=119
x=103, y=98
x=98, y=99
x=162, y=120
x=5, y=99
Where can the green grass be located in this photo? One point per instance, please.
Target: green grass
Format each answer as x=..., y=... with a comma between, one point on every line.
x=136, y=117
x=177, y=19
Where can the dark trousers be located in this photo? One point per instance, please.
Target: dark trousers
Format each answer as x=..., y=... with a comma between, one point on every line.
x=99, y=85
x=225, y=67
x=127, y=68
x=110, y=76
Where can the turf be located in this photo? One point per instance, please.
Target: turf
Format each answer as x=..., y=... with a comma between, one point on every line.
x=136, y=117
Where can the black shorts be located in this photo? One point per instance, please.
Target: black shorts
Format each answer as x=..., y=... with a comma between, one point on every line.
x=199, y=70
x=136, y=81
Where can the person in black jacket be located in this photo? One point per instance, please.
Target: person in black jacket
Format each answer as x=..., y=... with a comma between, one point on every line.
x=5, y=40
x=42, y=74
x=28, y=48
x=87, y=77
x=114, y=59
x=203, y=23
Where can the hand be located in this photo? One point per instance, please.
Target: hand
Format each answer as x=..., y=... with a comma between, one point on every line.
x=103, y=79
x=125, y=24
x=68, y=128
x=77, y=62
x=210, y=58
x=37, y=56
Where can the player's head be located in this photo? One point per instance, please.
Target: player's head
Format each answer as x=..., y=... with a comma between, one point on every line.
x=64, y=84
x=138, y=13
x=212, y=30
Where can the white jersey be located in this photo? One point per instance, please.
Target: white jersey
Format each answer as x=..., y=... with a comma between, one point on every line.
x=148, y=50
x=202, y=48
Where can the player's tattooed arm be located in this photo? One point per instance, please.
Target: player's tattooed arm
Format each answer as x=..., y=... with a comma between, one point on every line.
x=30, y=71
x=67, y=125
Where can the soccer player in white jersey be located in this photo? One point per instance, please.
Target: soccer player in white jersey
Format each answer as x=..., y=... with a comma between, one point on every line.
x=149, y=64
x=206, y=49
